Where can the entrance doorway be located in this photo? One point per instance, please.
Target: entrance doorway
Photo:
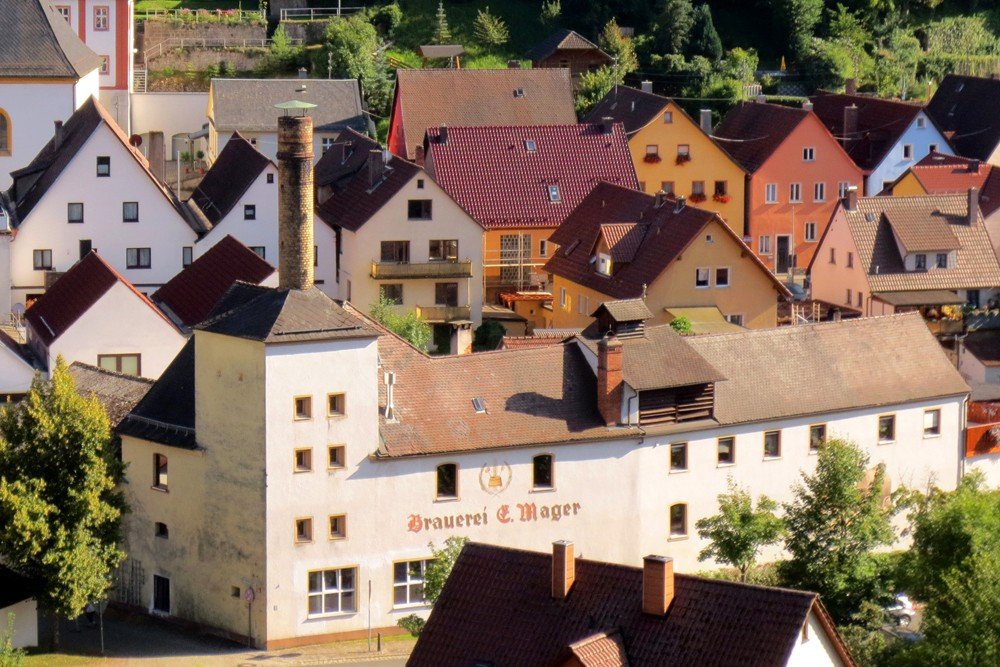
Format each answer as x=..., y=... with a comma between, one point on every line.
x=782, y=253
x=161, y=594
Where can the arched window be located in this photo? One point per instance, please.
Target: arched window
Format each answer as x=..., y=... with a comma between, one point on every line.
x=678, y=520
x=5, y=137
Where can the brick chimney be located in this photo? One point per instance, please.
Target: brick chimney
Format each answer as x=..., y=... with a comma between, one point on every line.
x=850, y=124
x=973, y=166
x=657, y=584
x=851, y=86
x=973, y=206
x=607, y=124
x=295, y=202
x=609, y=379
x=705, y=118
x=851, y=198
x=563, y=569
x=443, y=134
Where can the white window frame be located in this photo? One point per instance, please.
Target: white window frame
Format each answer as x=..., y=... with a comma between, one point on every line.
x=729, y=277
x=697, y=277
x=104, y=12
x=339, y=590
x=771, y=193
x=408, y=582
x=808, y=153
x=764, y=244
x=810, y=231
x=933, y=431
x=842, y=187
x=562, y=297
x=819, y=191
x=794, y=193
x=543, y=248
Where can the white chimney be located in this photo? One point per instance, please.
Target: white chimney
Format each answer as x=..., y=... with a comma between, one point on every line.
x=647, y=86
x=705, y=116
x=563, y=569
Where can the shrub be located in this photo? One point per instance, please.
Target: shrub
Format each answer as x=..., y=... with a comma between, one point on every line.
x=412, y=624
x=387, y=18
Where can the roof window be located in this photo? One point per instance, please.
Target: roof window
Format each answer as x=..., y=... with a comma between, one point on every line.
x=530, y=145
x=479, y=405
x=519, y=92
x=554, y=195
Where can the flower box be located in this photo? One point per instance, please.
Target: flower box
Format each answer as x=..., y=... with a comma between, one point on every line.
x=696, y=197
x=681, y=159
x=651, y=158
x=722, y=199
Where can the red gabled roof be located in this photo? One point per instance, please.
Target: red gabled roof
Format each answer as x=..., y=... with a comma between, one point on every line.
x=949, y=174
x=74, y=294
x=753, y=131
x=193, y=292
x=490, y=172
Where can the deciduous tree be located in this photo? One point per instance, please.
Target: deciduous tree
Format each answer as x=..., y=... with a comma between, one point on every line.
x=739, y=531
x=438, y=569
x=619, y=47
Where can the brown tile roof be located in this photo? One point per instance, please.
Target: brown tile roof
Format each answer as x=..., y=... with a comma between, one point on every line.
x=348, y=154
x=231, y=175
x=471, y=97
x=984, y=345
x=632, y=108
x=191, y=294
x=623, y=239
x=752, y=131
x=73, y=294
x=573, y=157
x=563, y=40
x=497, y=608
x=871, y=225
x=921, y=234
x=881, y=123
x=964, y=107
x=658, y=235
x=117, y=392
x=440, y=50
x=941, y=174
x=526, y=342
x=625, y=310
x=817, y=369
x=38, y=42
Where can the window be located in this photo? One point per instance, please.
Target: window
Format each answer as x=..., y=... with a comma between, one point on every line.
x=886, y=428
x=727, y=451
x=795, y=193
x=722, y=277
x=160, y=530
x=849, y=298
x=304, y=530
x=941, y=261
x=678, y=457
x=808, y=154
x=335, y=457
x=907, y=151
x=138, y=258
x=64, y=11
x=833, y=255
x=395, y=251
x=652, y=150
x=562, y=297
x=303, y=460
x=530, y=145
x=74, y=213
x=187, y=256
x=921, y=122
x=4, y=133
x=932, y=148
x=667, y=187
x=336, y=405
x=920, y=262
x=819, y=191
x=418, y=209
x=332, y=591
x=817, y=436
x=842, y=187
x=541, y=472
x=698, y=188
x=771, y=193
x=447, y=481
x=443, y=250
x=701, y=277
x=130, y=211
x=603, y=266
x=408, y=582
x=234, y=591
x=721, y=188
x=850, y=260
x=326, y=143
x=678, y=520
x=392, y=292
x=259, y=250
x=479, y=405
x=105, y=66
x=543, y=248
x=103, y=165
x=772, y=444
x=338, y=527
x=160, y=468
x=303, y=406
x=270, y=178
x=101, y=19
x=932, y=422
x=554, y=195
x=861, y=298
x=249, y=211
x=42, y=260
x=736, y=319
x=668, y=117
x=764, y=245
x=810, y=231
x=683, y=150
x=126, y=364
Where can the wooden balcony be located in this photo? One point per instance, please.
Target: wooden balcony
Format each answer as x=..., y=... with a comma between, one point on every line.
x=441, y=314
x=414, y=270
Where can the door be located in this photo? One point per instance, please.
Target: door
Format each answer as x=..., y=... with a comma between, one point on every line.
x=161, y=594
x=782, y=252
x=86, y=245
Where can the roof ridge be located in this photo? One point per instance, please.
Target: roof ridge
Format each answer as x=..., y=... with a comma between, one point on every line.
x=105, y=371
x=788, y=330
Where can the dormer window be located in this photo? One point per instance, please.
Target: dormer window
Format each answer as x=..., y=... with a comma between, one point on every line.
x=530, y=145
x=941, y=260
x=604, y=264
x=479, y=405
x=920, y=262
x=554, y=195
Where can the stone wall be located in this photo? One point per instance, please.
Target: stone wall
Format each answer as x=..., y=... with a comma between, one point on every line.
x=156, y=31
x=180, y=59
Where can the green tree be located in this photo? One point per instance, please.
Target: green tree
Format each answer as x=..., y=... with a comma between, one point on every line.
x=896, y=64
x=551, y=12
x=488, y=336
x=59, y=502
x=406, y=325
x=671, y=28
x=739, y=531
x=799, y=19
x=593, y=86
x=353, y=50
x=490, y=30
x=10, y=656
x=440, y=567
x=619, y=47
x=705, y=39
x=835, y=522
x=442, y=33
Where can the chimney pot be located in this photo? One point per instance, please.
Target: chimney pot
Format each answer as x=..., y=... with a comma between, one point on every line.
x=851, y=198
x=607, y=124
x=973, y=206
x=705, y=116
x=303, y=73
x=807, y=105
x=851, y=86
x=563, y=569
x=443, y=134
x=295, y=197
x=376, y=167
x=973, y=166
x=658, y=199
x=647, y=86
x=58, y=137
x=610, y=387
x=657, y=584
x=681, y=200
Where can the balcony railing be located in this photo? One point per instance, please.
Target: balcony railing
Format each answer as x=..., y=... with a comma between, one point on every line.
x=409, y=270
x=444, y=313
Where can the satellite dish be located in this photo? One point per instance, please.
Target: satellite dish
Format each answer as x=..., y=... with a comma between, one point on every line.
x=135, y=140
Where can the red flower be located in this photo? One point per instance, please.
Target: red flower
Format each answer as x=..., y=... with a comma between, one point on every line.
x=697, y=197
x=683, y=157
x=651, y=158
x=722, y=199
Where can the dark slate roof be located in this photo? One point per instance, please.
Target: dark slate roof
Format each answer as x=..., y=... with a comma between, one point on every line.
x=247, y=105
x=348, y=154
x=166, y=414
x=752, y=131
x=30, y=183
x=965, y=108
x=632, y=108
x=881, y=123
x=117, y=392
x=238, y=166
x=497, y=608
x=38, y=42
x=563, y=40
x=283, y=316
x=14, y=588
x=191, y=294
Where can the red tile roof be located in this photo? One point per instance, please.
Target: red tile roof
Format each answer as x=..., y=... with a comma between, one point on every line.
x=497, y=608
x=949, y=174
x=491, y=173
x=74, y=294
x=191, y=294
x=752, y=131
x=880, y=124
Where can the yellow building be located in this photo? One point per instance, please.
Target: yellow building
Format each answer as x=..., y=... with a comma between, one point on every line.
x=673, y=153
x=621, y=244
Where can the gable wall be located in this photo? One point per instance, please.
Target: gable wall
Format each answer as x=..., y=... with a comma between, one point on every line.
x=893, y=165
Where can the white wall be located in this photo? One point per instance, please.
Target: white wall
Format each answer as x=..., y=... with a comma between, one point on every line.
x=5, y=302
x=25, y=623
x=989, y=465
x=265, y=142
x=816, y=650
x=894, y=164
x=100, y=331
x=15, y=378
x=87, y=87
x=33, y=109
x=169, y=113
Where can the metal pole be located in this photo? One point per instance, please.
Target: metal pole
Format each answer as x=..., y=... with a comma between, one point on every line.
x=369, y=615
x=178, y=174
x=101, y=621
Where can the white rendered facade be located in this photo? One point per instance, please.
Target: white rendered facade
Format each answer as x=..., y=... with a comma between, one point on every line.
x=917, y=141
x=25, y=613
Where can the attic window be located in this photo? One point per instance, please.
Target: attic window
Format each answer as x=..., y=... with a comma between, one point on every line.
x=519, y=92
x=554, y=195
x=921, y=122
x=530, y=145
x=479, y=405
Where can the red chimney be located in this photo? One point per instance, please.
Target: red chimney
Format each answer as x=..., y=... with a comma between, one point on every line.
x=610, y=387
x=851, y=198
x=657, y=584
x=563, y=569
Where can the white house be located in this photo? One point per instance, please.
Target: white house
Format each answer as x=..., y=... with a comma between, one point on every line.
x=400, y=235
x=94, y=315
x=46, y=73
x=17, y=368
x=89, y=189
x=17, y=598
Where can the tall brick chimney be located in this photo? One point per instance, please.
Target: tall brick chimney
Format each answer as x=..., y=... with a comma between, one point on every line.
x=609, y=379
x=295, y=202
x=563, y=569
x=657, y=584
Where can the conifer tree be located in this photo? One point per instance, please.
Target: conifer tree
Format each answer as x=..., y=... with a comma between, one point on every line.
x=442, y=33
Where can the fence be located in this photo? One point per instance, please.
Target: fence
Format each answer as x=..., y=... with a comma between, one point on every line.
x=317, y=14
x=193, y=14
x=160, y=48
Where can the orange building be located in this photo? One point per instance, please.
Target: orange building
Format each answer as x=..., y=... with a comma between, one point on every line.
x=797, y=171
x=674, y=154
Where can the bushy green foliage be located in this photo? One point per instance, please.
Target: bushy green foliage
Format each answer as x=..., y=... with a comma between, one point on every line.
x=896, y=64
x=412, y=624
x=593, y=86
x=440, y=567
x=490, y=30
x=705, y=39
x=739, y=531
x=10, y=656
x=352, y=46
x=799, y=19
x=619, y=47
x=282, y=56
x=488, y=336
x=962, y=34
x=386, y=18
x=551, y=12
x=681, y=325
x=406, y=324
x=671, y=29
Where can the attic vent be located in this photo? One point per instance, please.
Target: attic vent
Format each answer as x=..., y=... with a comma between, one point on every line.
x=870, y=217
x=554, y=195
x=519, y=92
x=479, y=405
x=530, y=145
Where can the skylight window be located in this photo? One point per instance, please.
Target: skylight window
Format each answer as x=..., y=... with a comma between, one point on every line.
x=519, y=92
x=554, y=195
x=479, y=405
x=530, y=145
